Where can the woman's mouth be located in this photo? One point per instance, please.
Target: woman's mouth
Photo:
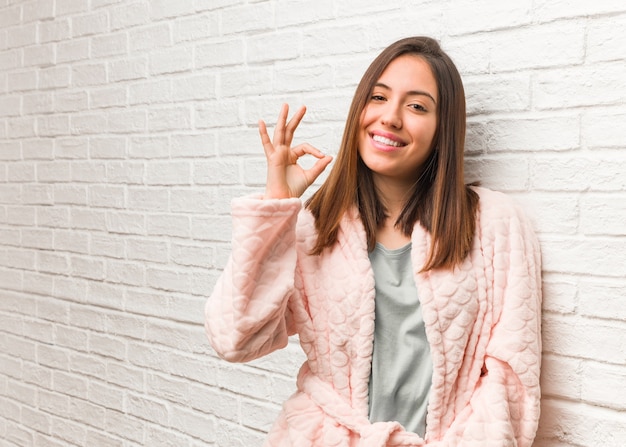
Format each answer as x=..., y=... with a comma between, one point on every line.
x=385, y=143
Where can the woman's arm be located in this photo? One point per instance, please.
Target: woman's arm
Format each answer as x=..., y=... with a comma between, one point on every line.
x=504, y=408
x=246, y=316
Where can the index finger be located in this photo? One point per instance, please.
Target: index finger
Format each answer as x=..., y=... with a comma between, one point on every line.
x=293, y=124
x=268, y=148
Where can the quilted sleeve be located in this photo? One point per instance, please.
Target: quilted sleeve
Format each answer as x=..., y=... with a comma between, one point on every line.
x=247, y=315
x=504, y=408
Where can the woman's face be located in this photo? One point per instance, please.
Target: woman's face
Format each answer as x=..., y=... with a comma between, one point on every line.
x=399, y=121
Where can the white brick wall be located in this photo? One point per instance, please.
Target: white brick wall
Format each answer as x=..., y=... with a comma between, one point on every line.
x=127, y=126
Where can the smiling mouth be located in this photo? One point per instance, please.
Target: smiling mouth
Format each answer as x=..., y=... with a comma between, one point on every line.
x=386, y=141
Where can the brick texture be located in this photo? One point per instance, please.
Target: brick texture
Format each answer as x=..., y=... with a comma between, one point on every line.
x=127, y=126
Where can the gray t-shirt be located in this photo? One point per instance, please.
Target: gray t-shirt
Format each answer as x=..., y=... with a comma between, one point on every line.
x=402, y=368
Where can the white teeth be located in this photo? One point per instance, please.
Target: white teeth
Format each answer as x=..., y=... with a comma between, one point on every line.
x=386, y=141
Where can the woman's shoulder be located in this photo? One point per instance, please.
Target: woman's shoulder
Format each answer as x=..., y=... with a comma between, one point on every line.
x=496, y=204
x=500, y=214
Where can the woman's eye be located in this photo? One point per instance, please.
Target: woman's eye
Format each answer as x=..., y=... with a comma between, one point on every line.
x=377, y=98
x=418, y=107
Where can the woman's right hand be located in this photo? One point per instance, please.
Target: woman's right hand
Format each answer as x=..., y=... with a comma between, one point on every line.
x=285, y=177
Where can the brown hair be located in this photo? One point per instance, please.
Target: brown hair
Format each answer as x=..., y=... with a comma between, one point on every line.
x=439, y=200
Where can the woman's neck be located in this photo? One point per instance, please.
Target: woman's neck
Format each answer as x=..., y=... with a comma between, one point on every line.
x=393, y=195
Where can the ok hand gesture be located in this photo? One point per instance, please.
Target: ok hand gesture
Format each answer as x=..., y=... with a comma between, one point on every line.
x=285, y=177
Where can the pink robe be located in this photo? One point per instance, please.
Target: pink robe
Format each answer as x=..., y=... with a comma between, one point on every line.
x=482, y=322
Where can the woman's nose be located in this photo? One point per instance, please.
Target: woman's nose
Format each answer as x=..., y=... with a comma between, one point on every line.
x=391, y=116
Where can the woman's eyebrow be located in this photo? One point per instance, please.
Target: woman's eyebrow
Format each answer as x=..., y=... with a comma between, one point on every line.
x=409, y=93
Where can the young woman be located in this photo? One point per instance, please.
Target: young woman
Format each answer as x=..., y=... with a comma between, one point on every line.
x=416, y=297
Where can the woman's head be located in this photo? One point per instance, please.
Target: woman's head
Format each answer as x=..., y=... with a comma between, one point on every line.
x=449, y=139
x=438, y=197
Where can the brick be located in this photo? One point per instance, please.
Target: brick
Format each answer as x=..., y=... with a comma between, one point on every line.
x=195, y=28
x=246, y=82
x=114, y=96
x=602, y=256
x=38, y=103
x=560, y=295
x=193, y=145
x=564, y=173
x=53, y=126
x=148, y=199
x=20, y=258
x=562, y=376
x=72, y=241
x=168, y=173
x=88, y=124
x=124, y=122
x=591, y=85
x=191, y=201
x=87, y=219
x=54, y=78
x=73, y=289
x=168, y=225
x=73, y=50
x=563, y=419
x=585, y=339
x=87, y=268
x=100, y=196
x=602, y=385
x=129, y=15
x=603, y=299
x=21, y=173
x=162, y=437
x=125, y=223
x=160, y=9
x=171, y=60
x=22, y=36
x=110, y=148
x=193, y=423
x=125, y=325
x=71, y=148
x=42, y=55
x=191, y=255
x=53, y=403
x=222, y=53
x=124, y=273
x=147, y=250
x=20, y=215
x=36, y=420
x=125, y=376
x=194, y=87
x=69, y=431
x=109, y=246
x=151, y=92
x=87, y=75
x=103, y=439
x=166, y=279
x=37, y=10
x=603, y=215
x=128, y=70
x=90, y=24
x=104, y=295
x=601, y=130
x=52, y=357
x=147, y=409
x=106, y=396
x=549, y=10
x=301, y=12
x=69, y=384
x=150, y=37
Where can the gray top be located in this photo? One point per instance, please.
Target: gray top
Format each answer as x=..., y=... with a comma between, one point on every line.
x=402, y=368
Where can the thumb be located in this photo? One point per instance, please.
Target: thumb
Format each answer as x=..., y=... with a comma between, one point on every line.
x=319, y=166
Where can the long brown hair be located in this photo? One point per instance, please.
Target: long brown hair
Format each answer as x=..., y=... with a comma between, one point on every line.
x=440, y=201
